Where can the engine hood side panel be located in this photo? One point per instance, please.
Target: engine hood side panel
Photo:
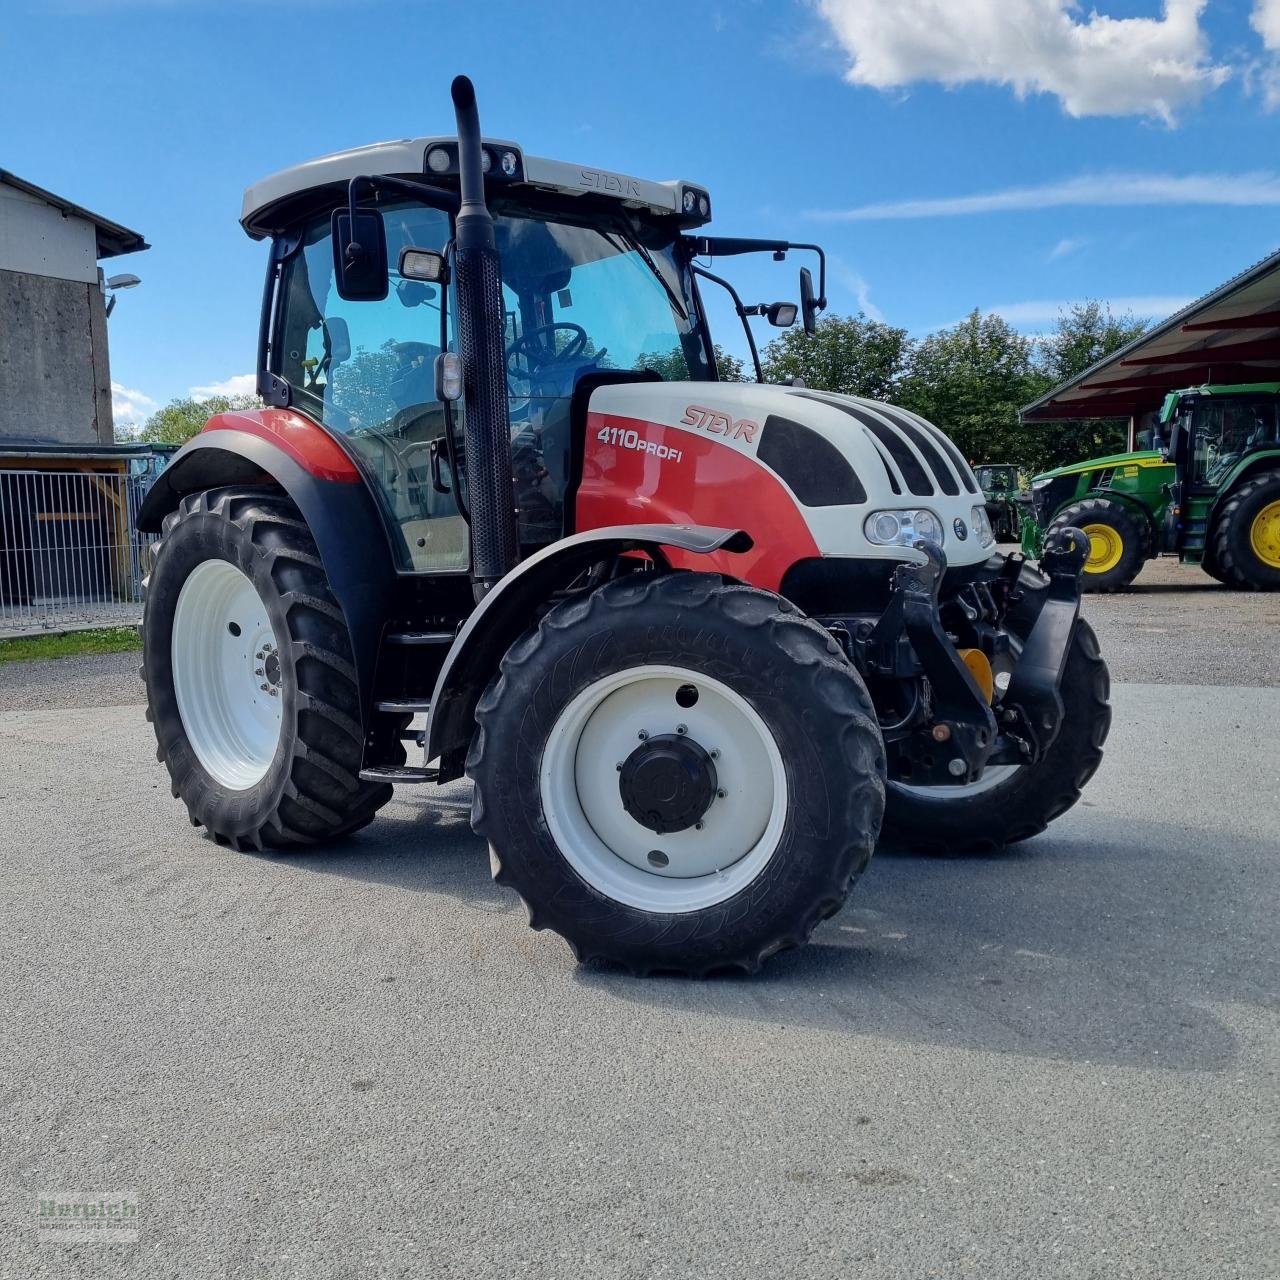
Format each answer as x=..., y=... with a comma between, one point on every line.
x=690, y=452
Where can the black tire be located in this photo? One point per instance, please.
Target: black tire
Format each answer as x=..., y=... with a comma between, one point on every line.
x=311, y=791
x=1134, y=536
x=1032, y=797
x=1235, y=559
x=794, y=676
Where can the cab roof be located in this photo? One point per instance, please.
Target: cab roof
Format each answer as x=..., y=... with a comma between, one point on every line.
x=276, y=202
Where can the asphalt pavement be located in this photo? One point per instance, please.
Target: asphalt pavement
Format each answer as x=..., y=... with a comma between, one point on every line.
x=1059, y=1061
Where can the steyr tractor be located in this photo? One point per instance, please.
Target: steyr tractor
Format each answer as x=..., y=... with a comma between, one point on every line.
x=691, y=641
x=1207, y=492
x=999, y=484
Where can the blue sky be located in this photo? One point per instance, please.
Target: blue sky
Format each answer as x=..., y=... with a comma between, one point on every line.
x=1015, y=155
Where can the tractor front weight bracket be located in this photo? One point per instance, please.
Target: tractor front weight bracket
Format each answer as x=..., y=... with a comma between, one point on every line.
x=1034, y=698
x=953, y=747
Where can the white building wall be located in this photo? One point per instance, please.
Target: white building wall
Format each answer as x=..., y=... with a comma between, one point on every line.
x=37, y=239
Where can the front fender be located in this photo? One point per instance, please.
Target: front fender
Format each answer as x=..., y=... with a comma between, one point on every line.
x=508, y=610
x=332, y=499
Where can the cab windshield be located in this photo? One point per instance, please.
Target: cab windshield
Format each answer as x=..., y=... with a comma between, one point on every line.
x=577, y=299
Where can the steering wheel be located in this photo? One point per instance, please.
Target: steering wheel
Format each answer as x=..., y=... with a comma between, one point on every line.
x=536, y=354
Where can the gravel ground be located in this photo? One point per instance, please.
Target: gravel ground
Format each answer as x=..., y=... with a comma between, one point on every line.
x=1177, y=625
x=1059, y=1062
x=95, y=680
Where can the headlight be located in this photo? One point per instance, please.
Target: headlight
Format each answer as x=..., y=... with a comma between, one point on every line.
x=982, y=526
x=902, y=528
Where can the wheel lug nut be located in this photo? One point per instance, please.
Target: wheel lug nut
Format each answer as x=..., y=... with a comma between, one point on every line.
x=618, y=766
x=720, y=795
x=682, y=728
x=258, y=671
x=643, y=735
x=715, y=754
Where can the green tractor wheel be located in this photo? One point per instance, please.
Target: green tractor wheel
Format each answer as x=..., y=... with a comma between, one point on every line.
x=1118, y=542
x=1245, y=543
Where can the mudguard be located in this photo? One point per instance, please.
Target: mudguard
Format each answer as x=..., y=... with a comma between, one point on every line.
x=507, y=611
x=286, y=450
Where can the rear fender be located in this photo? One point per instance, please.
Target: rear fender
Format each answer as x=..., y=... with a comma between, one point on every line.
x=509, y=609
x=289, y=452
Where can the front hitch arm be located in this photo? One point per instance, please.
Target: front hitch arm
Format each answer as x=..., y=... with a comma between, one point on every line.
x=1034, y=695
x=963, y=728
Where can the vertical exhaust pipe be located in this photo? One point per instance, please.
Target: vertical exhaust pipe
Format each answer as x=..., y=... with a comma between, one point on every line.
x=487, y=433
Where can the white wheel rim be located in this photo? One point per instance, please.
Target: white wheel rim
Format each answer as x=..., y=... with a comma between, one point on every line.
x=224, y=651
x=992, y=777
x=607, y=847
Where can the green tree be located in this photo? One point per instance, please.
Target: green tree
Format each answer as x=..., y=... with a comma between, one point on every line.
x=852, y=355
x=971, y=380
x=182, y=419
x=1085, y=334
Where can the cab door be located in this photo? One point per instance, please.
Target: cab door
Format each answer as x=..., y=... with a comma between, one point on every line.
x=366, y=372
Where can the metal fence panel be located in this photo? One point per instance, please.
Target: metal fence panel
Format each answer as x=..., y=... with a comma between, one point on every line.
x=70, y=551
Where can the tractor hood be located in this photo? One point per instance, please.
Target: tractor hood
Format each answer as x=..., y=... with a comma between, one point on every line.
x=1144, y=458
x=830, y=460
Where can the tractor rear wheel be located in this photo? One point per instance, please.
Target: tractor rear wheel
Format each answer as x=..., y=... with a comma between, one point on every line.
x=1118, y=542
x=251, y=688
x=678, y=773
x=1246, y=536
x=1013, y=802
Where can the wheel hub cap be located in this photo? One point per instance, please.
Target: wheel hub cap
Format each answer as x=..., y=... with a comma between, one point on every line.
x=667, y=783
x=1264, y=535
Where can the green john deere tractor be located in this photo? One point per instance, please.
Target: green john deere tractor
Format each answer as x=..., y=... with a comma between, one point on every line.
x=1207, y=492
x=999, y=484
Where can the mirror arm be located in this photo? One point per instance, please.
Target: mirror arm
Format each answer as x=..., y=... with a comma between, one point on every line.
x=742, y=314
x=727, y=246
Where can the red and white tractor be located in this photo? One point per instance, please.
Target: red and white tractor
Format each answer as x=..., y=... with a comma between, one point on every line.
x=691, y=640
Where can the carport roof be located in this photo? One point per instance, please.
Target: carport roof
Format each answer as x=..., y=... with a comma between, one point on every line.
x=1230, y=335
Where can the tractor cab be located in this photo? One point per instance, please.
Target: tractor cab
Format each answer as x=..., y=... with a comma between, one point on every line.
x=599, y=283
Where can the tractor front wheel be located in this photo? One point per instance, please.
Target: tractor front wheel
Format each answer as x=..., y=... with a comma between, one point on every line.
x=251, y=687
x=677, y=773
x=1118, y=542
x=1246, y=536
x=1012, y=802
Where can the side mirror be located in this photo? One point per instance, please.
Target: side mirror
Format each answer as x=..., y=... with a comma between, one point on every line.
x=781, y=314
x=359, y=255
x=337, y=340
x=808, y=302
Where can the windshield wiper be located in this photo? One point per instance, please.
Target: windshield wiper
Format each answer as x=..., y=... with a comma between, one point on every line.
x=647, y=258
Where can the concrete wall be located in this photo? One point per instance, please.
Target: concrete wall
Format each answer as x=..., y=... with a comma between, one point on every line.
x=55, y=380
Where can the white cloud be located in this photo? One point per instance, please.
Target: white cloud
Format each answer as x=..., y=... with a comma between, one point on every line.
x=1265, y=20
x=129, y=408
x=1067, y=246
x=1264, y=76
x=1242, y=189
x=854, y=282
x=1095, y=65
x=1154, y=306
x=240, y=384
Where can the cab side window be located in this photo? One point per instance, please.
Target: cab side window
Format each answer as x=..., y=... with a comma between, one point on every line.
x=366, y=370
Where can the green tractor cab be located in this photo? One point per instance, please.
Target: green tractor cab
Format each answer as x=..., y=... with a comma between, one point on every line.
x=1207, y=492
